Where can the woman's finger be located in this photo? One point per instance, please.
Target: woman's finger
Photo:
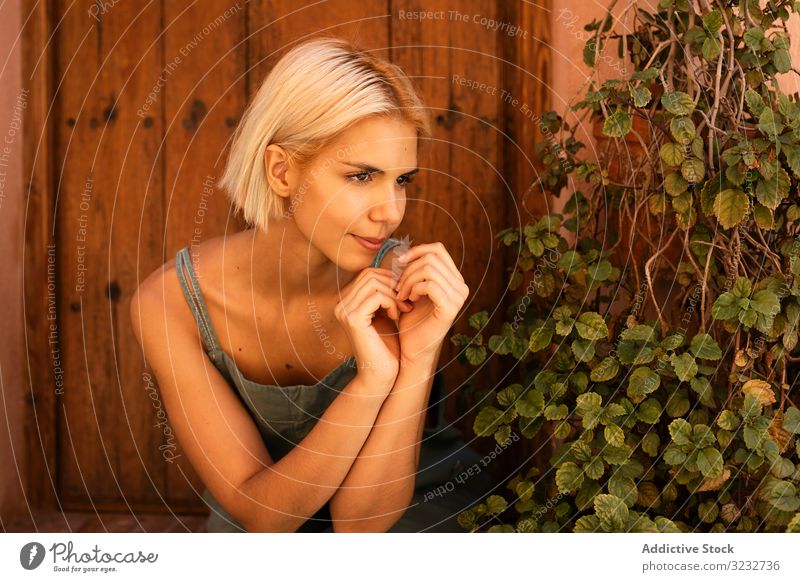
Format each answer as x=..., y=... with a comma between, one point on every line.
x=437, y=249
x=375, y=286
x=424, y=272
x=445, y=304
x=371, y=303
x=430, y=259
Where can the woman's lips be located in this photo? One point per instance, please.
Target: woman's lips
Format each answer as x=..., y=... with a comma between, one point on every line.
x=372, y=244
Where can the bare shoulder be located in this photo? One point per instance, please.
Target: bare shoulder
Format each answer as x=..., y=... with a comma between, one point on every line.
x=160, y=294
x=212, y=425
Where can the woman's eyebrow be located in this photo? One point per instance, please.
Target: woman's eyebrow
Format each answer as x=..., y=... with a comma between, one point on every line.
x=371, y=169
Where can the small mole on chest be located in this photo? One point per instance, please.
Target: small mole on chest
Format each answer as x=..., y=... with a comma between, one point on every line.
x=289, y=366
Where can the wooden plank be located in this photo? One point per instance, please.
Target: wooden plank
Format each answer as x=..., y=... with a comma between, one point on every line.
x=462, y=196
x=205, y=53
x=40, y=402
x=277, y=25
x=110, y=184
x=526, y=70
x=526, y=74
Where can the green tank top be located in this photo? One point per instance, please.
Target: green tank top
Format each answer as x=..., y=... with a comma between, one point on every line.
x=284, y=415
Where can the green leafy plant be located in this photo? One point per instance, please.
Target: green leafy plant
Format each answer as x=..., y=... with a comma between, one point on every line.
x=653, y=350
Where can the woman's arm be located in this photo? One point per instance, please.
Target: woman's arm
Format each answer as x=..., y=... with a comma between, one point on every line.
x=380, y=485
x=221, y=440
x=282, y=496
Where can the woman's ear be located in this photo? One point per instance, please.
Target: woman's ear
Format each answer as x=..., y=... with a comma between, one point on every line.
x=276, y=164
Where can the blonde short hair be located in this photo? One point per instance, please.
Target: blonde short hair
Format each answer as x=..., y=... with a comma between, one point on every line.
x=315, y=92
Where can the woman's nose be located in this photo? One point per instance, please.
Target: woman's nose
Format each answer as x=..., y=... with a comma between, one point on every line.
x=390, y=207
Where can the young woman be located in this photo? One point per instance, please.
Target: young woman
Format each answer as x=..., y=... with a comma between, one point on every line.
x=295, y=358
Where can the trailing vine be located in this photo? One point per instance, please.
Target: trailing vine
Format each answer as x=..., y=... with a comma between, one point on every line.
x=655, y=346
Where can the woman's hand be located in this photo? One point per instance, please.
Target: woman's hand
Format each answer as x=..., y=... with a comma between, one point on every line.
x=375, y=346
x=437, y=290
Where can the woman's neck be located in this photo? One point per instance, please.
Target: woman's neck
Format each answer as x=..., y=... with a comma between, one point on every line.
x=283, y=260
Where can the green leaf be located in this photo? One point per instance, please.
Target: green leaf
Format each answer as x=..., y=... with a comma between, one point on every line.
x=487, y=421
x=601, y=271
x=702, y=386
x=675, y=184
x=478, y=320
x=782, y=60
x=674, y=456
x=682, y=129
x=569, y=477
x=665, y=525
x=791, y=420
x=685, y=366
x=678, y=403
x=508, y=395
x=768, y=124
x=730, y=207
x=556, y=412
x=502, y=435
x=782, y=495
x=766, y=302
x=651, y=443
x=591, y=326
x=710, y=463
x=649, y=411
x=755, y=103
x=702, y=436
x=475, y=354
x=677, y=102
x=672, y=341
x=587, y=524
x=753, y=38
x=728, y=420
x=531, y=404
x=624, y=488
x=595, y=468
x=671, y=153
x=495, y=504
x=771, y=192
x=742, y=287
x=540, y=338
x=726, y=306
x=639, y=332
x=708, y=511
x=605, y=370
x=711, y=48
x=763, y=217
x=583, y=349
x=693, y=170
x=618, y=124
x=589, y=51
x=703, y=346
x=712, y=21
x=614, y=435
x=642, y=381
x=641, y=95
x=589, y=408
x=681, y=432
x=611, y=511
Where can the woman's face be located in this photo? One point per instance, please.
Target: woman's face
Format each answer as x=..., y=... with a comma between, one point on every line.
x=356, y=187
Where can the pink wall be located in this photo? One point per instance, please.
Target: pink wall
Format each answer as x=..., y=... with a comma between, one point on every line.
x=12, y=114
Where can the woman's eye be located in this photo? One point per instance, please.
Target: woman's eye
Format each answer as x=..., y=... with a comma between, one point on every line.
x=362, y=177
x=405, y=180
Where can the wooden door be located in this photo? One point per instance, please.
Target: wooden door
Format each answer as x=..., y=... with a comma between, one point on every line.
x=137, y=104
